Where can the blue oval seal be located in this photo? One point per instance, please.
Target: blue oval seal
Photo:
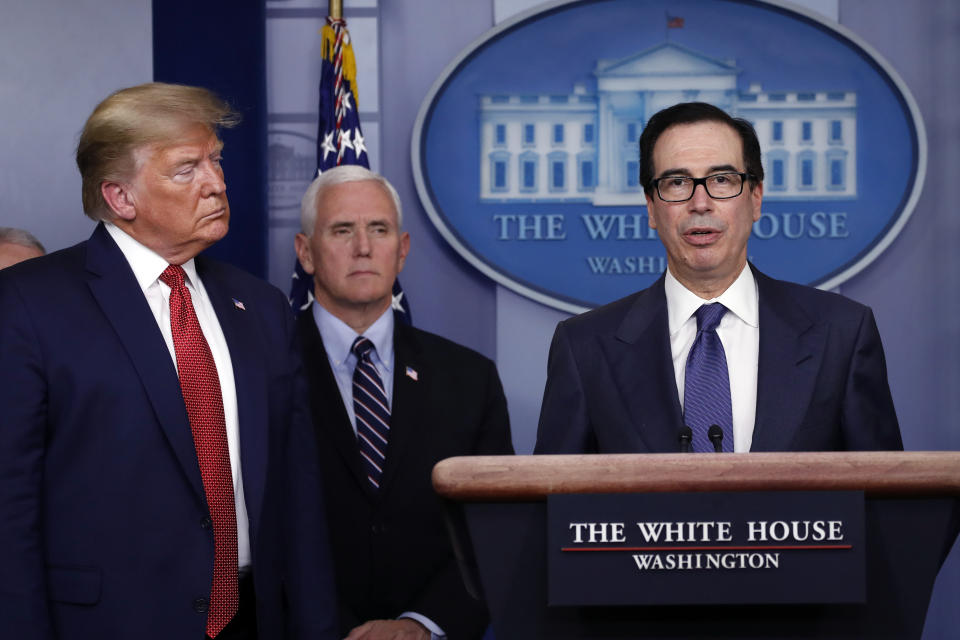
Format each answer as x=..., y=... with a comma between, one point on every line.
x=525, y=148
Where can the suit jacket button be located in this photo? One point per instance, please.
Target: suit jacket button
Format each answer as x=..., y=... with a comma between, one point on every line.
x=206, y=522
x=200, y=605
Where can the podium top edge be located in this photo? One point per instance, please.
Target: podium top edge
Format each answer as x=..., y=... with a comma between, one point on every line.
x=532, y=478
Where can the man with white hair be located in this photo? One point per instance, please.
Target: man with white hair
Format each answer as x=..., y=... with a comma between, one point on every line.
x=389, y=402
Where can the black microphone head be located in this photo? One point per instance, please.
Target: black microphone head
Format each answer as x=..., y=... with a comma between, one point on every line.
x=686, y=433
x=715, y=433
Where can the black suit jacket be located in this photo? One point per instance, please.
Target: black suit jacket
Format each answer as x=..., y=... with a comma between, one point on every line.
x=821, y=379
x=392, y=552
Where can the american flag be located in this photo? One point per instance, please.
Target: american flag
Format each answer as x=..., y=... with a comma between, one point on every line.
x=674, y=22
x=339, y=138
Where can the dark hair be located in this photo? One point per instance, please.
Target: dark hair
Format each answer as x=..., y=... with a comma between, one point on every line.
x=689, y=113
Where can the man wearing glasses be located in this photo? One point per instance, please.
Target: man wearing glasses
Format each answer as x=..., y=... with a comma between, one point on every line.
x=715, y=356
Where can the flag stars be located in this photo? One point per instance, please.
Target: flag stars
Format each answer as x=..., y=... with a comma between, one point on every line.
x=345, y=101
x=345, y=142
x=327, y=145
x=397, y=302
x=358, y=146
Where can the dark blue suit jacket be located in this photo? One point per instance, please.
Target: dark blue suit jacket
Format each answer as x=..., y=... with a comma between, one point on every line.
x=103, y=520
x=821, y=380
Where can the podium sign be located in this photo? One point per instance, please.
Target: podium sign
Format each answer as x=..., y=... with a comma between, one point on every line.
x=706, y=548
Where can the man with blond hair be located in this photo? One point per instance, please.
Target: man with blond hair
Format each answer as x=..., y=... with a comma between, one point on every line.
x=389, y=402
x=159, y=478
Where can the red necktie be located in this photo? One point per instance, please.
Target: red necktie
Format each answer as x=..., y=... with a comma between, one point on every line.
x=201, y=393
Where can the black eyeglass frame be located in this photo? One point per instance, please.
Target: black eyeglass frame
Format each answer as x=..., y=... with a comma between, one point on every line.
x=655, y=183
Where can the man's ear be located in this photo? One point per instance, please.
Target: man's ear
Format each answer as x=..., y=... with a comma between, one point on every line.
x=756, y=198
x=119, y=198
x=651, y=217
x=304, y=253
x=404, y=250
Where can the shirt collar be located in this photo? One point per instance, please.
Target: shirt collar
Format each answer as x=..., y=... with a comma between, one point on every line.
x=741, y=298
x=338, y=336
x=147, y=264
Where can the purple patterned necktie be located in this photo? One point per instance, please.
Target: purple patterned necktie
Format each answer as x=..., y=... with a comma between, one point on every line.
x=706, y=392
x=372, y=411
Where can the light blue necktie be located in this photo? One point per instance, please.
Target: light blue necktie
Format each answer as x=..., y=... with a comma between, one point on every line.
x=706, y=395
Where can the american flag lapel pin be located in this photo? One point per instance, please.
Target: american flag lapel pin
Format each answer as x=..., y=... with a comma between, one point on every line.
x=412, y=374
x=238, y=304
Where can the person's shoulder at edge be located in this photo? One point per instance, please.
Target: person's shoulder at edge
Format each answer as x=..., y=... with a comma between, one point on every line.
x=441, y=347
x=817, y=303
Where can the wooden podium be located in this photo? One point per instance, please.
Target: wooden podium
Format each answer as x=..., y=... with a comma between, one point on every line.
x=497, y=509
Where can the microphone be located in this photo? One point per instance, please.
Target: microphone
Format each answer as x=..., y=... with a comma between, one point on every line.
x=686, y=438
x=715, y=433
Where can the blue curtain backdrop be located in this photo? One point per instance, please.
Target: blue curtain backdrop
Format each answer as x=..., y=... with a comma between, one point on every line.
x=221, y=45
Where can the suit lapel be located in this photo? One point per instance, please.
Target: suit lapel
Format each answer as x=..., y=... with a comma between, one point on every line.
x=642, y=368
x=330, y=417
x=115, y=288
x=240, y=331
x=791, y=351
x=409, y=398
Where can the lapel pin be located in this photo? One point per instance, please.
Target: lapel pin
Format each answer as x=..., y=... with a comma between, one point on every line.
x=412, y=374
x=238, y=304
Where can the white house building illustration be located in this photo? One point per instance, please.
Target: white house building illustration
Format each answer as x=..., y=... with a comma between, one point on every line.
x=583, y=146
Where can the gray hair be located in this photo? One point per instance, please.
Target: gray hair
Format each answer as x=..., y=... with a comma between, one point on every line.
x=9, y=235
x=341, y=175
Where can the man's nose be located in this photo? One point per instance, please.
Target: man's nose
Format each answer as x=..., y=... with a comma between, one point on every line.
x=362, y=243
x=700, y=200
x=213, y=182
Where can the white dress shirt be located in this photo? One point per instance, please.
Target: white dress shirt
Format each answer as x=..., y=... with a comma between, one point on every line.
x=147, y=266
x=739, y=332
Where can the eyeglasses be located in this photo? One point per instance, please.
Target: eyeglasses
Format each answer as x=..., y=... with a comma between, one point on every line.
x=719, y=186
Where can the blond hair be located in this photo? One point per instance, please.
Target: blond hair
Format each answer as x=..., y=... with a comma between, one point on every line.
x=132, y=118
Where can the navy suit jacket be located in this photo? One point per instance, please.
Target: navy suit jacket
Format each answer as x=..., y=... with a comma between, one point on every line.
x=103, y=520
x=821, y=379
x=392, y=550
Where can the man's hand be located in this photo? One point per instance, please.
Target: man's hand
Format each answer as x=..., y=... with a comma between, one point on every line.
x=402, y=629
